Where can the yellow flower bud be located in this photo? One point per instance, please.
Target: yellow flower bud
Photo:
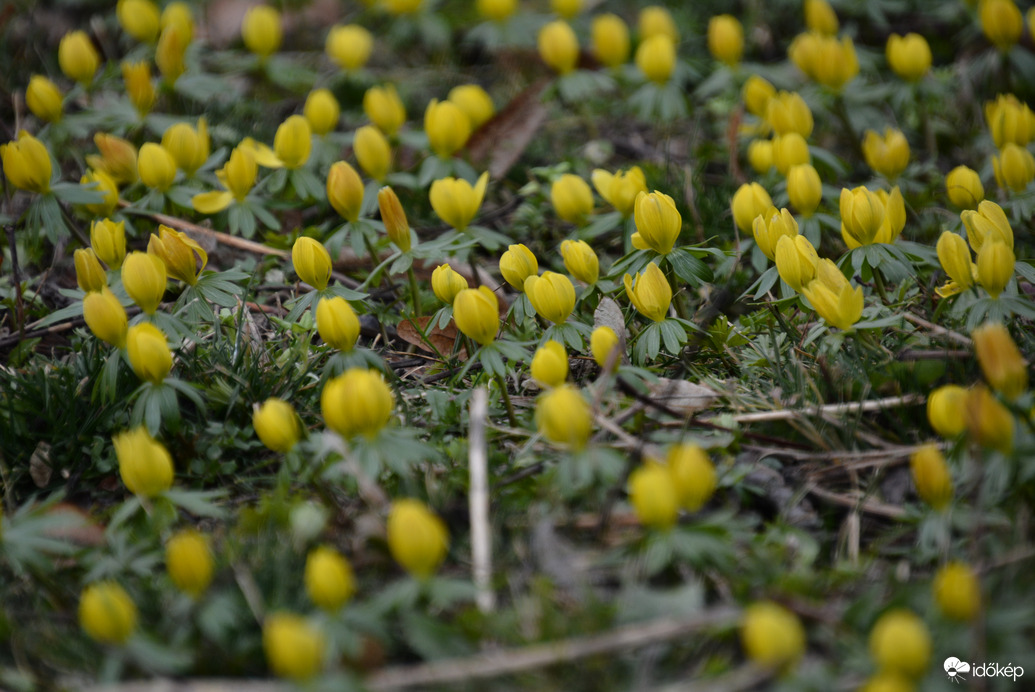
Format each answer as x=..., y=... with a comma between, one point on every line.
x=995, y=263
x=517, y=264
x=610, y=39
x=658, y=222
x=239, y=172
x=989, y=423
x=654, y=20
x=957, y=591
x=824, y=59
x=322, y=111
x=563, y=417
x=884, y=681
x=786, y=112
x=456, y=202
x=44, y=99
x=108, y=240
x=293, y=141
x=550, y=364
x=170, y=52
x=417, y=537
x=384, y=108
x=566, y=8
x=558, y=47
x=179, y=13
x=572, y=198
x=476, y=312
x=604, y=346
x=328, y=578
x=89, y=274
x=447, y=127
x=139, y=19
x=105, y=317
x=770, y=226
x=888, y=155
x=312, y=262
x=954, y=256
x=649, y=292
x=27, y=163
x=349, y=46
x=1014, y=167
x=1010, y=120
x=726, y=39
x=446, y=283
x=157, y=166
x=1002, y=22
x=188, y=147
x=693, y=475
x=118, y=158
x=337, y=323
x=144, y=463
x=909, y=56
x=189, y=562
x=101, y=182
x=756, y=93
x=580, y=260
x=394, y=217
x=181, y=254
x=294, y=647
x=790, y=150
x=149, y=353
x=401, y=7
x=475, y=103
x=796, y=260
x=107, y=613
x=804, y=188
x=749, y=201
x=1001, y=361
x=833, y=297
x=656, y=58
x=989, y=221
x=862, y=214
x=345, y=190
x=357, y=402
x=552, y=295
x=77, y=57
x=771, y=635
x=820, y=17
x=900, y=643
x=931, y=476
x=894, y=216
x=373, y=152
x=141, y=92
x=276, y=423
x=261, y=30
x=760, y=155
x=653, y=496
x=620, y=189
x=964, y=187
x=946, y=410
x=496, y=10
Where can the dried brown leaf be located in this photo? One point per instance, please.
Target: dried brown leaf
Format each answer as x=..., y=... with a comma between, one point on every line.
x=501, y=141
x=682, y=396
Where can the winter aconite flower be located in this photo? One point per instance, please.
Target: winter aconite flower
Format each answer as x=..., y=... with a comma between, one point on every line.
x=804, y=188
x=456, y=201
x=909, y=56
x=986, y=222
x=900, y=643
x=189, y=146
x=447, y=283
x=156, y=166
x=293, y=142
x=989, y=423
x=887, y=155
x=946, y=410
x=550, y=364
x=957, y=591
x=1002, y=22
x=77, y=57
x=563, y=416
x=476, y=312
x=658, y=222
x=144, y=463
x=552, y=295
x=995, y=265
x=373, y=152
x=610, y=39
x=475, y=103
x=790, y=150
x=749, y=201
x=1001, y=361
x=184, y=258
x=833, y=297
x=603, y=344
x=447, y=128
x=649, y=292
x=820, y=17
x=349, y=46
x=653, y=496
x=261, y=30
x=107, y=613
x=954, y=256
x=760, y=155
x=770, y=226
x=772, y=636
x=394, y=217
x=654, y=20
x=141, y=92
x=1014, y=167
x=108, y=239
x=796, y=260
x=825, y=59
x=384, y=108
x=27, y=163
x=337, y=323
x=787, y=112
x=757, y=92
x=294, y=647
x=171, y=50
x=572, y=198
x=118, y=158
x=580, y=260
x=963, y=185
x=496, y=10
x=89, y=274
x=312, y=262
x=345, y=190
x=139, y=18
x=656, y=58
x=517, y=264
x=238, y=177
x=44, y=99
x=931, y=476
x=692, y=475
x=726, y=39
x=149, y=353
x=328, y=578
x=621, y=188
x=417, y=537
x=105, y=317
x=357, y=402
x=103, y=183
x=188, y=560
x=1010, y=121
x=558, y=46
x=862, y=214
x=277, y=424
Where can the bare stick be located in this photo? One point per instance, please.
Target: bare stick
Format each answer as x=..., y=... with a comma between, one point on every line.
x=224, y=238
x=941, y=331
x=830, y=409
x=478, y=499
x=870, y=506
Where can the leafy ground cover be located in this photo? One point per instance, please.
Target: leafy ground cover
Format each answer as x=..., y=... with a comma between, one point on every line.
x=498, y=344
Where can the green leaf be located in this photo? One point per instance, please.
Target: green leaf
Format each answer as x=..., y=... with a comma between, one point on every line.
x=689, y=268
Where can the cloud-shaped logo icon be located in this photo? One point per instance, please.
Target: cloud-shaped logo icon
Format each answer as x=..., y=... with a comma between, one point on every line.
x=955, y=668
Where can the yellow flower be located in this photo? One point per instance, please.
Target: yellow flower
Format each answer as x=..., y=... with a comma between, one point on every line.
x=1001, y=361
x=931, y=476
x=750, y=200
x=384, y=108
x=149, y=353
x=294, y=647
x=476, y=312
x=756, y=93
x=1002, y=22
x=787, y=112
x=654, y=20
x=277, y=424
x=833, y=297
x=357, y=402
x=804, y=188
x=726, y=39
x=328, y=578
x=770, y=226
x=621, y=188
x=447, y=127
x=650, y=292
x=322, y=111
x=337, y=323
x=989, y=221
x=103, y=183
x=394, y=217
x=602, y=344
x=946, y=410
x=27, y=163
x=653, y=496
x=1014, y=167
x=790, y=150
x=144, y=463
x=157, y=167
x=656, y=58
x=558, y=46
x=181, y=254
x=580, y=260
x=954, y=256
x=796, y=260
x=293, y=142
x=44, y=99
x=888, y=155
x=189, y=562
x=771, y=635
x=171, y=49
x=312, y=262
x=989, y=423
x=964, y=187
x=1010, y=120
x=552, y=296
x=760, y=155
x=957, y=591
x=118, y=158
x=566, y=8
x=108, y=240
x=475, y=103
x=824, y=59
x=261, y=30
x=349, y=46
x=89, y=274
x=658, y=222
x=572, y=198
x=820, y=17
x=894, y=217
x=455, y=201
x=372, y=152
x=139, y=18
x=862, y=214
x=692, y=475
x=141, y=92
x=900, y=643
x=401, y=7
x=188, y=147
x=105, y=317
x=179, y=13
x=563, y=417
x=446, y=283
x=107, y=613
x=884, y=681
x=77, y=57
x=517, y=264
x=496, y=10
x=417, y=537
x=995, y=264
x=609, y=39
x=909, y=56
x=237, y=175
x=345, y=190
x=550, y=364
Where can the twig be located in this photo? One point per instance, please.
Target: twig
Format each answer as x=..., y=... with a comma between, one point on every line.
x=870, y=506
x=829, y=409
x=939, y=330
x=478, y=499
x=224, y=238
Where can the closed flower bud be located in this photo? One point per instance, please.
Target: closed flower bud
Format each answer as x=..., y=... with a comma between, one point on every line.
x=995, y=264
x=1001, y=361
x=558, y=47
x=312, y=262
x=496, y=10
x=954, y=256
x=563, y=417
x=337, y=323
x=756, y=93
x=572, y=198
x=604, y=346
x=770, y=226
x=1014, y=168
x=384, y=108
x=118, y=158
x=750, y=200
x=658, y=222
x=328, y=578
x=693, y=475
x=179, y=14
x=293, y=141
x=239, y=173
x=189, y=562
x=476, y=312
x=394, y=217
x=900, y=643
x=820, y=17
x=517, y=264
x=447, y=127
x=294, y=647
x=322, y=111
x=964, y=187
x=909, y=56
x=650, y=292
x=108, y=240
x=550, y=364
x=566, y=8
x=373, y=153
x=656, y=58
x=345, y=190
x=1002, y=22
x=726, y=39
x=44, y=99
x=261, y=30
x=989, y=221
x=188, y=147
x=887, y=155
x=771, y=635
x=790, y=150
x=170, y=52
x=653, y=496
x=456, y=202
x=402, y=7
x=894, y=216
x=475, y=102
x=101, y=182
x=580, y=261
x=957, y=591
x=825, y=60
x=552, y=295
x=946, y=410
x=862, y=214
x=349, y=46
x=89, y=274
x=107, y=613
x=931, y=476
x=157, y=167
x=105, y=317
x=27, y=163
x=621, y=188
x=144, y=463
x=149, y=353
x=141, y=92
x=760, y=155
x=1010, y=120
x=654, y=20
x=446, y=283
x=610, y=39
x=357, y=402
x=139, y=18
x=796, y=260
x=277, y=424
x=184, y=258
x=833, y=297
x=787, y=112
x=77, y=57
x=417, y=537
x=804, y=188
x=989, y=423
x=884, y=681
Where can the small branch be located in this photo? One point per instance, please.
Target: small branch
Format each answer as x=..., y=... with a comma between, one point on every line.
x=478, y=499
x=224, y=238
x=871, y=506
x=830, y=409
x=939, y=330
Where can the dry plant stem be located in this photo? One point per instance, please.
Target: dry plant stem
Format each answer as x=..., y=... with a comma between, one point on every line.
x=224, y=238
x=478, y=499
x=831, y=409
x=939, y=330
x=857, y=504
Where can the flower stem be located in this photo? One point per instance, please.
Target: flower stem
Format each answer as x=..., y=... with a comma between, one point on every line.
x=878, y=282
x=414, y=290
x=506, y=401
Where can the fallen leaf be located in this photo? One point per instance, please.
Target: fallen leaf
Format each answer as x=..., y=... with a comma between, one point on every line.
x=682, y=396
x=39, y=465
x=438, y=339
x=501, y=141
